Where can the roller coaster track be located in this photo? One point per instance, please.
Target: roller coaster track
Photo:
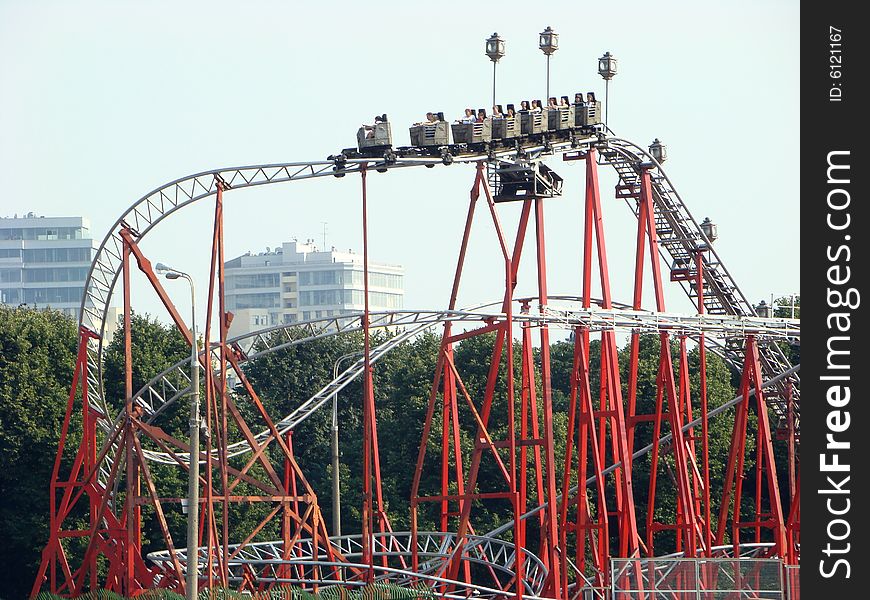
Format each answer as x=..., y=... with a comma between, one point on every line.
x=172, y=383
x=680, y=239
x=678, y=231
x=729, y=315
x=497, y=557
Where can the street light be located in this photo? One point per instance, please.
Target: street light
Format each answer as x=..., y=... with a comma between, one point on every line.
x=494, y=50
x=658, y=151
x=193, y=473
x=711, y=232
x=607, y=69
x=336, y=489
x=548, y=42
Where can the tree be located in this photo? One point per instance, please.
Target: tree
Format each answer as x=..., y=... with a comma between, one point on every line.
x=37, y=353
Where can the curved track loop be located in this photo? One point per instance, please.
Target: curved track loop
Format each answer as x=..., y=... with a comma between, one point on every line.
x=496, y=556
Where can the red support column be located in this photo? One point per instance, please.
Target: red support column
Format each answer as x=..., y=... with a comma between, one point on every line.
x=773, y=520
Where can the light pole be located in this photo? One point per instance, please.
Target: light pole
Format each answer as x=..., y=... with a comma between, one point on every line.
x=548, y=42
x=494, y=50
x=607, y=69
x=336, y=488
x=193, y=473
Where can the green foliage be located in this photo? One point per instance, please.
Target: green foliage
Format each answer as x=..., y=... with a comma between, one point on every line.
x=374, y=591
x=37, y=353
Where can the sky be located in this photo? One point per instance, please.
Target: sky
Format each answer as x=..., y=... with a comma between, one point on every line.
x=102, y=102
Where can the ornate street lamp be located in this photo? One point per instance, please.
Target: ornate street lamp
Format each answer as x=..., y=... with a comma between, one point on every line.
x=548, y=42
x=607, y=69
x=494, y=50
x=710, y=230
x=658, y=151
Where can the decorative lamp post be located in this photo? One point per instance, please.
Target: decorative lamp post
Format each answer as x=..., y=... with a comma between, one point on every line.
x=494, y=50
x=607, y=69
x=548, y=42
x=710, y=230
x=193, y=473
x=658, y=151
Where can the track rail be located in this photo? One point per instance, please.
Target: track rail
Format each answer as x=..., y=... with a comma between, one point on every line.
x=678, y=230
x=165, y=388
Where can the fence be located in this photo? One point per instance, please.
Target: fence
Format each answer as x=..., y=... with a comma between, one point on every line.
x=703, y=579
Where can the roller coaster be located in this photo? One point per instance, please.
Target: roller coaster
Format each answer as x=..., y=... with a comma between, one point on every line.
x=586, y=507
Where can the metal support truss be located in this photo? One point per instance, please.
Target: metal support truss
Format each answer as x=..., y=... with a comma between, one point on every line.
x=564, y=527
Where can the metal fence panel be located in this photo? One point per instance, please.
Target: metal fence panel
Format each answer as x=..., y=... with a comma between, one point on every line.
x=698, y=579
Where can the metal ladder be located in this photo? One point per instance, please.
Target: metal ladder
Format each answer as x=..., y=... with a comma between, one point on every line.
x=679, y=238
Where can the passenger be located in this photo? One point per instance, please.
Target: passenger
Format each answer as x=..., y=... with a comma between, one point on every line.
x=590, y=97
x=370, y=129
x=481, y=115
x=496, y=112
x=537, y=106
x=511, y=113
x=469, y=116
x=578, y=98
x=551, y=102
x=524, y=105
x=431, y=119
x=564, y=101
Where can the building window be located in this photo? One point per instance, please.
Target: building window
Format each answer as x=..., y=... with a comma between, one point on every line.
x=48, y=255
x=321, y=278
x=239, y=301
x=257, y=280
x=10, y=296
x=56, y=274
x=53, y=295
x=10, y=275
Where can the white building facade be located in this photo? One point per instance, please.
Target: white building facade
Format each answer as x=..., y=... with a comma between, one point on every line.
x=298, y=282
x=44, y=261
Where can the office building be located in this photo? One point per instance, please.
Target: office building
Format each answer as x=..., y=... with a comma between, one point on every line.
x=298, y=282
x=44, y=263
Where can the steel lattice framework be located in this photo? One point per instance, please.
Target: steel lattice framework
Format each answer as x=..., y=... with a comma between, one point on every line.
x=586, y=506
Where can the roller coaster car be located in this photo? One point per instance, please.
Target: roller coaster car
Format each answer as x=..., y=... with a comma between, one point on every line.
x=505, y=128
x=587, y=114
x=532, y=123
x=374, y=139
x=472, y=133
x=520, y=182
x=431, y=136
x=560, y=118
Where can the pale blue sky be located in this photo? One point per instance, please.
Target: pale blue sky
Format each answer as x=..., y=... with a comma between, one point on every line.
x=101, y=102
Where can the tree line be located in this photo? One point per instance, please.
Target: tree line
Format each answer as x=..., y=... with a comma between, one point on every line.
x=37, y=353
